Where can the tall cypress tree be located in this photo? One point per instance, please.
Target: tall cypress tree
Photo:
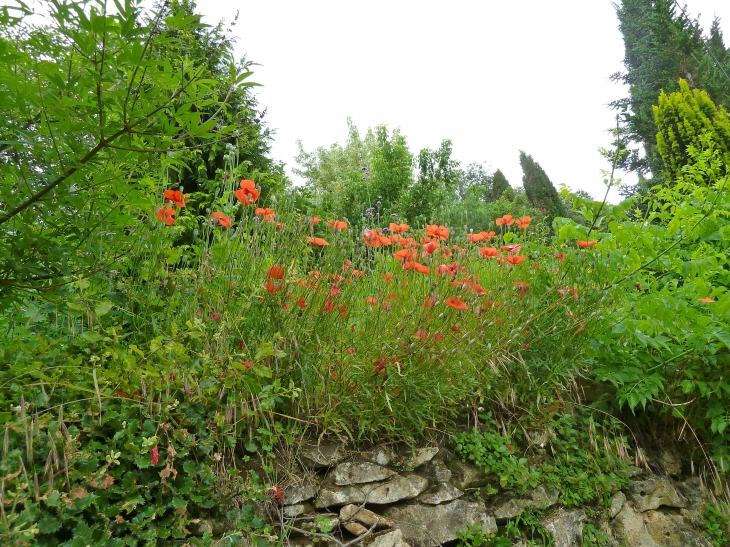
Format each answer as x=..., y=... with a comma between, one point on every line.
x=539, y=190
x=499, y=185
x=661, y=46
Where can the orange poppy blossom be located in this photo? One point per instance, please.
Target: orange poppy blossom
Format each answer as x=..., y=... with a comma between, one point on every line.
x=512, y=249
x=372, y=301
x=585, y=244
x=447, y=269
x=275, y=272
x=315, y=220
x=301, y=303
x=248, y=193
x=456, y=303
x=273, y=287
x=405, y=254
x=434, y=230
x=175, y=196
x=445, y=252
x=524, y=287
x=512, y=259
x=375, y=239
x=220, y=218
x=429, y=303
x=318, y=241
x=505, y=220
x=488, y=252
x=337, y=224
x=706, y=300
x=413, y=265
x=523, y=222
x=399, y=228
x=165, y=214
x=267, y=213
x=430, y=247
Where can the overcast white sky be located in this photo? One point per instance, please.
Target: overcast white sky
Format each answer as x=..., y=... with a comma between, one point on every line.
x=494, y=77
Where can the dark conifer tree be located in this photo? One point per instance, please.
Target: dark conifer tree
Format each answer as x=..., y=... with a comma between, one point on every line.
x=539, y=190
x=499, y=185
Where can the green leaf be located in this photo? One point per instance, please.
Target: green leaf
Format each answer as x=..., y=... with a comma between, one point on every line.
x=103, y=308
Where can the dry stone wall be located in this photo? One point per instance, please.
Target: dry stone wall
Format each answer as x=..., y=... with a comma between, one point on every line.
x=423, y=499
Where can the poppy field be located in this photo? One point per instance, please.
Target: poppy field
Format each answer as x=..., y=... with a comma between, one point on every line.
x=178, y=317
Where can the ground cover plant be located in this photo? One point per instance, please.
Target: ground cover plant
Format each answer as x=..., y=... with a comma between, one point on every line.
x=174, y=326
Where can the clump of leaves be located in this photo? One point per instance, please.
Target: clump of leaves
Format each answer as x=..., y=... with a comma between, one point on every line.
x=580, y=468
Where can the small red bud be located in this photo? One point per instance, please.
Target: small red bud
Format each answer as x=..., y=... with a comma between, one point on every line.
x=155, y=455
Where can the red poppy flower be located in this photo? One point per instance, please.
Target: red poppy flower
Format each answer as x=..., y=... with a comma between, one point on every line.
x=337, y=224
x=328, y=305
x=335, y=290
x=510, y=448
x=516, y=259
x=441, y=232
x=456, y=303
x=523, y=222
x=248, y=193
x=399, y=228
x=438, y=337
x=155, y=455
x=429, y=303
x=273, y=287
x=175, y=196
x=585, y=244
x=512, y=248
x=420, y=268
x=165, y=214
x=524, y=287
x=301, y=303
x=475, y=238
x=267, y=213
x=445, y=252
x=220, y=218
x=505, y=220
x=560, y=256
x=404, y=254
x=275, y=272
x=216, y=316
x=447, y=269
x=422, y=335
x=488, y=252
x=317, y=241
x=430, y=247
x=315, y=220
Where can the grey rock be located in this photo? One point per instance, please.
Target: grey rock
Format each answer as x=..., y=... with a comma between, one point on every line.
x=653, y=493
x=398, y=488
x=440, y=493
x=381, y=455
x=671, y=462
x=438, y=472
x=355, y=528
x=389, y=539
x=671, y=530
x=358, y=473
x=467, y=475
x=299, y=493
x=697, y=498
x=617, y=502
x=511, y=507
x=321, y=456
x=432, y=525
x=364, y=516
x=566, y=527
x=629, y=530
x=297, y=510
x=420, y=456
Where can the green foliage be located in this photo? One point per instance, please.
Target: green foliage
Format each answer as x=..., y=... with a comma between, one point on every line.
x=436, y=184
x=588, y=458
x=540, y=191
x=499, y=185
x=684, y=118
x=473, y=536
x=123, y=469
x=594, y=537
x=90, y=104
x=717, y=523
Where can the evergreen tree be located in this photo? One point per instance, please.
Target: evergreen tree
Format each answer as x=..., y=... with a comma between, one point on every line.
x=661, y=46
x=683, y=117
x=540, y=191
x=499, y=185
